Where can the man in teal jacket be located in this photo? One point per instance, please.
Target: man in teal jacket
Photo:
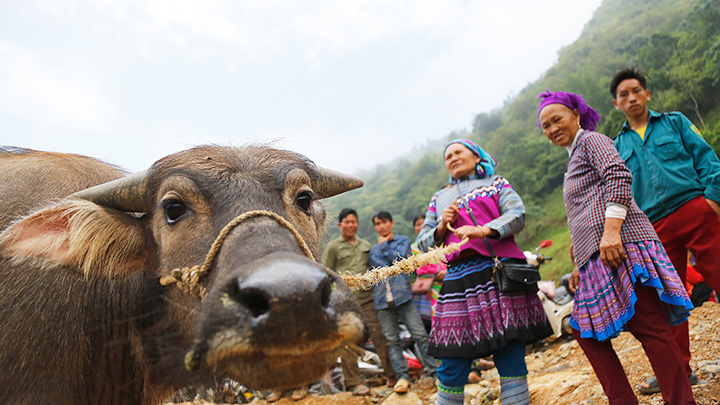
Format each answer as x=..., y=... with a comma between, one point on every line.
x=676, y=182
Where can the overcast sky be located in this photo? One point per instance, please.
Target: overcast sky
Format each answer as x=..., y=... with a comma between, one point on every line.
x=350, y=83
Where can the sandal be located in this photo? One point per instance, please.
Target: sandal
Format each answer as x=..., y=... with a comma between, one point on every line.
x=274, y=396
x=654, y=388
x=299, y=393
x=474, y=377
x=360, y=389
x=485, y=364
x=402, y=386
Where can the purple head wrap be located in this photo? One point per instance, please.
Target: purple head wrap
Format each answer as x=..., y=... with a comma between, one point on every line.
x=588, y=117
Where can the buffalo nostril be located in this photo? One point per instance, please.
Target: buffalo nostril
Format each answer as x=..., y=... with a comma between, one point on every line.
x=326, y=290
x=254, y=300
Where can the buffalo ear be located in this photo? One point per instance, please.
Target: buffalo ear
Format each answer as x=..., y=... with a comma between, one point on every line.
x=96, y=241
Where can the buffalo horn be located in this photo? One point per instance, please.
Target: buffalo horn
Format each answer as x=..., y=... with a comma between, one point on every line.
x=330, y=183
x=125, y=194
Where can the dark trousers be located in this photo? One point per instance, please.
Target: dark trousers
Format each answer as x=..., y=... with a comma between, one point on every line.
x=650, y=326
x=695, y=227
x=350, y=368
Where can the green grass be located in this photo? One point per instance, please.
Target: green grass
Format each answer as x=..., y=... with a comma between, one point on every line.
x=546, y=219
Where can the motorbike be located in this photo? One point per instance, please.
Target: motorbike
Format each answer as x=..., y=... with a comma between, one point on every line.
x=557, y=301
x=370, y=365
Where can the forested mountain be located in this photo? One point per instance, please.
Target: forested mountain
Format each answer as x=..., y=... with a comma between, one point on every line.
x=676, y=42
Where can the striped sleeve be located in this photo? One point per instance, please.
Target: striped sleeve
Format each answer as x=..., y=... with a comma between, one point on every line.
x=512, y=213
x=426, y=237
x=617, y=179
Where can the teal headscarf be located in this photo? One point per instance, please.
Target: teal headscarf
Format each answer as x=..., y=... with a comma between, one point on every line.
x=486, y=165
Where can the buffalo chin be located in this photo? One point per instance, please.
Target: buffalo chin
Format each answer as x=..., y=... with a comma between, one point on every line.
x=281, y=372
x=288, y=366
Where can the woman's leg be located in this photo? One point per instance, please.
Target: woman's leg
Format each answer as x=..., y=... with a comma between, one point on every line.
x=608, y=369
x=452, y=376
x=651, y=328
x=510, y=363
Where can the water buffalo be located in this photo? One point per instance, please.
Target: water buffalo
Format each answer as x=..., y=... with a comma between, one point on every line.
x=84, y=318
x=30, y=178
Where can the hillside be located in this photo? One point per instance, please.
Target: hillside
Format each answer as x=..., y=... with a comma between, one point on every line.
x=677, y=42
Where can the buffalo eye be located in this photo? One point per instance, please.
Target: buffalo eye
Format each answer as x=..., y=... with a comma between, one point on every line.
x=174, y=210
x=304, y=201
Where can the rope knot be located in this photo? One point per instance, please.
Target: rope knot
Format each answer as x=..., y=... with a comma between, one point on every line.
x=187, y=279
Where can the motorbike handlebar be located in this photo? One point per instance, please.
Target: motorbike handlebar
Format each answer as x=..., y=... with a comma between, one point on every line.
x=542, y=259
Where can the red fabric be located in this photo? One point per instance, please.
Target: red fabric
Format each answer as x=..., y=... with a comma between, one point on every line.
x=694, y=226
x=650, y=327
x=693, y=277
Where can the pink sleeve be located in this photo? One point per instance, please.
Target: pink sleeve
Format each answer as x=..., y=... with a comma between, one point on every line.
x=428, y=269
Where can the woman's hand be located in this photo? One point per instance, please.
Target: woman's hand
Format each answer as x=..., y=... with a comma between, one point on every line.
x=611, y=249
x=474, y=232
x=574, y=280
x=448, y=216
x=440, y=275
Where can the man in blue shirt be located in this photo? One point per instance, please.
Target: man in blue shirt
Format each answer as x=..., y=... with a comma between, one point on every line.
x=393, y=301
x=676, y=182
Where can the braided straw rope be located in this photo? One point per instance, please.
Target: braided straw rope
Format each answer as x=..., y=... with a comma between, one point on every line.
x=407, y=265
x=188, y=278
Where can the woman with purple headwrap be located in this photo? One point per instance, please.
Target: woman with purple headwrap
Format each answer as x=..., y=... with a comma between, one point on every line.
x=623, y=277
x=473, y=318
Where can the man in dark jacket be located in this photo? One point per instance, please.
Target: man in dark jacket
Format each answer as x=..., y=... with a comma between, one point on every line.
x=393, y=301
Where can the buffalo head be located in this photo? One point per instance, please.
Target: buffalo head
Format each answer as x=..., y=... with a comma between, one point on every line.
x=271, y=316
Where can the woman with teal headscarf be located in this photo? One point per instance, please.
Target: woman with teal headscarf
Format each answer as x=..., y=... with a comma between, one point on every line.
x=473, y=318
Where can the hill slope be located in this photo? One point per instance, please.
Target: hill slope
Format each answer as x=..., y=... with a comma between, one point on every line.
x=676, y=41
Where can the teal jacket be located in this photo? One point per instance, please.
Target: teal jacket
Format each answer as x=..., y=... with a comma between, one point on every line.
x=671, y=166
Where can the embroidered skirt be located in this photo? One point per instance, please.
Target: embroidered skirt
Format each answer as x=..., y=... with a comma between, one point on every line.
x=473, y=318
x=605, y=299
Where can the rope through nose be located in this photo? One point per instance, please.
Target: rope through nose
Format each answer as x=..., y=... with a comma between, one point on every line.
x=188, y=278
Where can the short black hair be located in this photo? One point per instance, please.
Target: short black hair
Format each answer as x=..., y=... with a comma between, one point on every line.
x=418, y=217
x=382, y=215
x=345, y=212
x=625, y=74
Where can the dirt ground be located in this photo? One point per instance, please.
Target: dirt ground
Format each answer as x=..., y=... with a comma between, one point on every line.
x=560, y=374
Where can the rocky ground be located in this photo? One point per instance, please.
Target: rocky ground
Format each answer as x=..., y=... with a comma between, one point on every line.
x=560, y=373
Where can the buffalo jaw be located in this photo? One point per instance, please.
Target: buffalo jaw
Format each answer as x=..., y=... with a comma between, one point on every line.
x=279, y=322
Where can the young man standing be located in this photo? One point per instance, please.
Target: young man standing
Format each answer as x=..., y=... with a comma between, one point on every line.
x=393, y=301
x=676, y=182
x=348, y=253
